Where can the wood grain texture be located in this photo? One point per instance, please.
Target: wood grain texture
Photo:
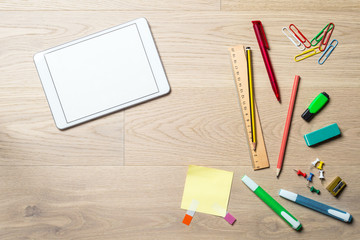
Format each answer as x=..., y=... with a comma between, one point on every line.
x=97, y=203
x=122, y=176
x=285, y=5
x=29, y=137
x=207, y=128
x=188, y=42
x=109, y=5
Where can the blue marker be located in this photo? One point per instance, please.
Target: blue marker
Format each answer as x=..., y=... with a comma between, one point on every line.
x=317, y=206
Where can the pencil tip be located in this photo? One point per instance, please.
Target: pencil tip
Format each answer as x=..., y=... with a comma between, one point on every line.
x=254, y=144
x=277, y=172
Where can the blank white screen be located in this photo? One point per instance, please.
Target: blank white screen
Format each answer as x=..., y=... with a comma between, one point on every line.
x=101, y=73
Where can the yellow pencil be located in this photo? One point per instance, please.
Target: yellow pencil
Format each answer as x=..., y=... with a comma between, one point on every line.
x=251, y=94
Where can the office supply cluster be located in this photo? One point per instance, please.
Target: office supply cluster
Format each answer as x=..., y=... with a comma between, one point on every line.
x=202, y=191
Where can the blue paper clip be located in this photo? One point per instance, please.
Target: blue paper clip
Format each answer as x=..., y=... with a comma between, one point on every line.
x=328, y=51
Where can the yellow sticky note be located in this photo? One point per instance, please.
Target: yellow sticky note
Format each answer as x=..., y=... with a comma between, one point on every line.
x=209, y=187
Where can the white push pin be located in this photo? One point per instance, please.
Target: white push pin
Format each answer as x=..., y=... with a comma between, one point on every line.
x=321, y=177
x=315, y=162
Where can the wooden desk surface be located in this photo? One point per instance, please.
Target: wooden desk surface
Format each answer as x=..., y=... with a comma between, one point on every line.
x=122, y=176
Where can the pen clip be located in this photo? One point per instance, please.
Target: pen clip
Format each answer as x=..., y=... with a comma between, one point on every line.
x=262, y=33
x=264, y=36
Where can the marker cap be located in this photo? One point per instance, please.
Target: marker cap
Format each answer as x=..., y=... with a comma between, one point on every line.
x=307, y=115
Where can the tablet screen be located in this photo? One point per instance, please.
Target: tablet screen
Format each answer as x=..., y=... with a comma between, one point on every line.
x=101, y=73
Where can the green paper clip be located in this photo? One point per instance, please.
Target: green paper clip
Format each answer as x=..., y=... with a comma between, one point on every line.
x=321, y=32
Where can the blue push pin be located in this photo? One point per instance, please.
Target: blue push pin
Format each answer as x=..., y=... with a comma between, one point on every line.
x=310, y=177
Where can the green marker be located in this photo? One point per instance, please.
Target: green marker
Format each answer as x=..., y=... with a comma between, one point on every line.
x=315, y=106
x=272, y=203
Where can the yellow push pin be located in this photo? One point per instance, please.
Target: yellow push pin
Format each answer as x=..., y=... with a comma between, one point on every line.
x=320, y=167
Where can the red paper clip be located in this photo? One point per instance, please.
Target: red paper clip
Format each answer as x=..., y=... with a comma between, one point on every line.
x=327, y=35
x=302, y=38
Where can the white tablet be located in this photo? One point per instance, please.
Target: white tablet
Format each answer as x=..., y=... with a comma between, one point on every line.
x=101, y=73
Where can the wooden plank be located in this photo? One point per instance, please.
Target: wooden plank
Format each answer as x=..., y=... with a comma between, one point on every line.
x=204, y=126
x=144, y=203
x=108, y=5
x=193, y=45
x=29, y=137
x=286, y=6
x=85, y=193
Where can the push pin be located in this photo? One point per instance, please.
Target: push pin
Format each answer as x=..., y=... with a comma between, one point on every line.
x=312, y=189
x=320, y=167
x=310, y=177
x=315, y=162
x=321, y=177
x=300, y=173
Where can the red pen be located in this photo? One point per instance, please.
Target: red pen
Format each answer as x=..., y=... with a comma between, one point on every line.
x=263, y=44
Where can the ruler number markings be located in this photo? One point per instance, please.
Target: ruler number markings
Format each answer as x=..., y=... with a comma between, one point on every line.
x=259, y=161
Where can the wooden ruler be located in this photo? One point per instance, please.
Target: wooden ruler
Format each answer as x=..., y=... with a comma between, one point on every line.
x=238, y=58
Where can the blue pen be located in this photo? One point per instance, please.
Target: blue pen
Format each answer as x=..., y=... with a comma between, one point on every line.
x=317, y=206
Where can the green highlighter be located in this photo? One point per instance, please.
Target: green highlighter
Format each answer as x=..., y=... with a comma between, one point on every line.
x=272, y=203
x=315, y=106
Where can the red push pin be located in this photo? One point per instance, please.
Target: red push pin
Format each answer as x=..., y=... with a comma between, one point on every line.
x=300, y=173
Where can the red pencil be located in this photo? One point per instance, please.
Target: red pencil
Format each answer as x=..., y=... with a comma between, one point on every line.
x=287, y=125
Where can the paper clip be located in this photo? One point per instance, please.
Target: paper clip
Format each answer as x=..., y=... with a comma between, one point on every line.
x=299, y=45
x=307, y=53
x=326, y=38
x=328, y=51
x=318, y=35
x=301, y=38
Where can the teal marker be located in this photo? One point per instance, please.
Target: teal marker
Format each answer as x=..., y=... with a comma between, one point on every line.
x=315, y=106
x=272, y=203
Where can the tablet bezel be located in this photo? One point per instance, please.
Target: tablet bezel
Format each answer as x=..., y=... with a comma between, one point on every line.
x=153, y=58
